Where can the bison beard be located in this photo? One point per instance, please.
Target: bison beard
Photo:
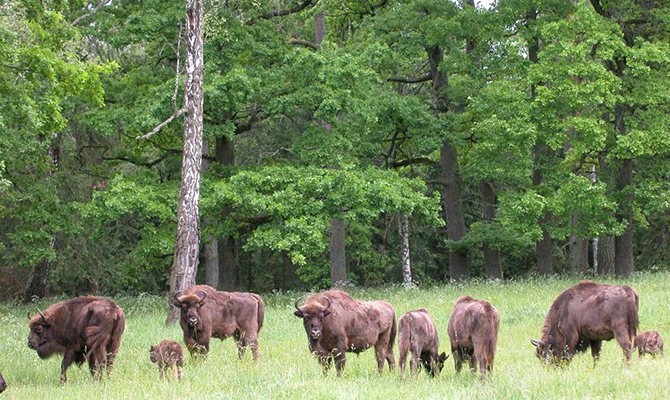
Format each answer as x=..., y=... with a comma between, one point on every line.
x=336, y=324
x=81, y=329
x=417, y=333
x=207, y=313
x=473, y=331
x=583, y=316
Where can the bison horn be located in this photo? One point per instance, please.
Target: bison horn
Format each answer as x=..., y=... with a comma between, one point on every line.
x=298, y=301
x=44, y=319
x=537, y=343
x=178, y=294
x=204, y=295
x=329, y=303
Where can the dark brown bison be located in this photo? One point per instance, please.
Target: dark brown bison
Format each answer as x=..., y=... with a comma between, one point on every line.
x=583, y=316
x=207, y=313
x=3, y=384
x=417, y=333
x=166, y=354
x=81, y=329
x=473, y=331
x=336, y=323
x=648, y=342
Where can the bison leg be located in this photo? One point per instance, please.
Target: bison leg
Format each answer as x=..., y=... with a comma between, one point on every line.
x=340, y=359
x=380, y=352
x=68, y=359
x=596, y=345
x=404, y=351
x=626, y=345
x=96, y=362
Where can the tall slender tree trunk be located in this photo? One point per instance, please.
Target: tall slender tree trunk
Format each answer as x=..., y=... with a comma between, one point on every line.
x=623, y=256
x=403, y=230
x=606, y=251
x=187, y=242
x=39, y=277
x=210, y=247
x=338, y=261
x=225, y=155
x=492, y=266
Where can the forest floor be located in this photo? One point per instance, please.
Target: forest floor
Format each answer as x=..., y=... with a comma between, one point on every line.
x=286, y=370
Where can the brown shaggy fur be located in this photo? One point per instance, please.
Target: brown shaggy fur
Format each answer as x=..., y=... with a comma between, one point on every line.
x=85, y=328
x=648, y=342
x=166, y=354
x=473, y=331
x=336, y=324
x=583, y=316
x=417, y=333
x=207, y=313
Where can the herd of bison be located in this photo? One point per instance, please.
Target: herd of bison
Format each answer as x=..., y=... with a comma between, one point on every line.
x=89, y=329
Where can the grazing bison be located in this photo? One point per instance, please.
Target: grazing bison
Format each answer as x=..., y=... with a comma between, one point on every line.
x=417, y=333
x=81, y=329
x=583, y=316
x=207, y=313
x=648, y=342
x=3, y=384
x=473, y=331
x=336, y=323
x=166, y=354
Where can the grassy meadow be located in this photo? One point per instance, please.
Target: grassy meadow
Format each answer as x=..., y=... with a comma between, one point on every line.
x=286, y=370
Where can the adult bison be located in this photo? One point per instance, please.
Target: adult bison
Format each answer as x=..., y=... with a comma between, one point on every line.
x=648, y=342
x=473, y=331
x=583, y=316
x=207, y=313
x=417, y=333
x=336, y=323
x=81, y=329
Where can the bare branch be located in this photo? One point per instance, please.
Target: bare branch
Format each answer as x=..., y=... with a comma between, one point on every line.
x=420, y=79
x=280, y=13
x=304, y=43
x=158, y=128
x=93, y=11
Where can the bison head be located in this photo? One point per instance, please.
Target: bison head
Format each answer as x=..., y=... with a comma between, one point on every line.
x=434, y=367
x=41, y=336
x=312, y=315
x=551, y=352
x=154, y=353
x=189, y=306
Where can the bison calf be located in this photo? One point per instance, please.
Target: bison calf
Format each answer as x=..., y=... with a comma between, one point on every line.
x=648, y=342
x=166, y=354
x=417, y=333
x=473, y=331
x=81, y=329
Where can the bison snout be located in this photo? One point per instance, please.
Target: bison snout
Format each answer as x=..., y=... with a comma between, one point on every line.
x=315, y=334
x=193, y=321
x=32, y=346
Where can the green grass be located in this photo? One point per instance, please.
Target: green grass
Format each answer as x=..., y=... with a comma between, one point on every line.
x=286, y=370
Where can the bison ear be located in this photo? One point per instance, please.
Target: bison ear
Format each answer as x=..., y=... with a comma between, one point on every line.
x=298, y=314
x=326, y=313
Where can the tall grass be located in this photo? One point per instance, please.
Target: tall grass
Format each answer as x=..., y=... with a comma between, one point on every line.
x=286, y=370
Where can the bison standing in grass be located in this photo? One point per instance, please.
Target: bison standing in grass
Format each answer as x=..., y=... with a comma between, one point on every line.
x=648, y=342
x=583, y=316
x=336, y=324
x=207, y=313
x=81, y=329
x=417, y=333
x=168, y=354
x=473, y=331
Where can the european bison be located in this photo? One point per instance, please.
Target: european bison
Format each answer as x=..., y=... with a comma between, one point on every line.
x=3, y=384
x=207, y=313
x=166, y=354
x=648, y=342
x=81, y=329
x=583, y=316
x=335, y=324
x=473, y=331
x=417, y=333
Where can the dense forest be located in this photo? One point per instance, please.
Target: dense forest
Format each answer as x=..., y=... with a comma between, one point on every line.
x=365, y=141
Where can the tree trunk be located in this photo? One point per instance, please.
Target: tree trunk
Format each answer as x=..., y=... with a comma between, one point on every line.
x=403, y=229
x=623, y=255
x=227, y=264
x=579, y=251
x=210, y=247
x=492, y=266
x=544, y=250
x=39, y=277
x=187, y=242
x=606, y=251
x=338, y=262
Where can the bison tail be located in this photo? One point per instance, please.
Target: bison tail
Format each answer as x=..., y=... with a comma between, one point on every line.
x=633, y=319
x=261, y=312
x=110, y=329
x=394, y=329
